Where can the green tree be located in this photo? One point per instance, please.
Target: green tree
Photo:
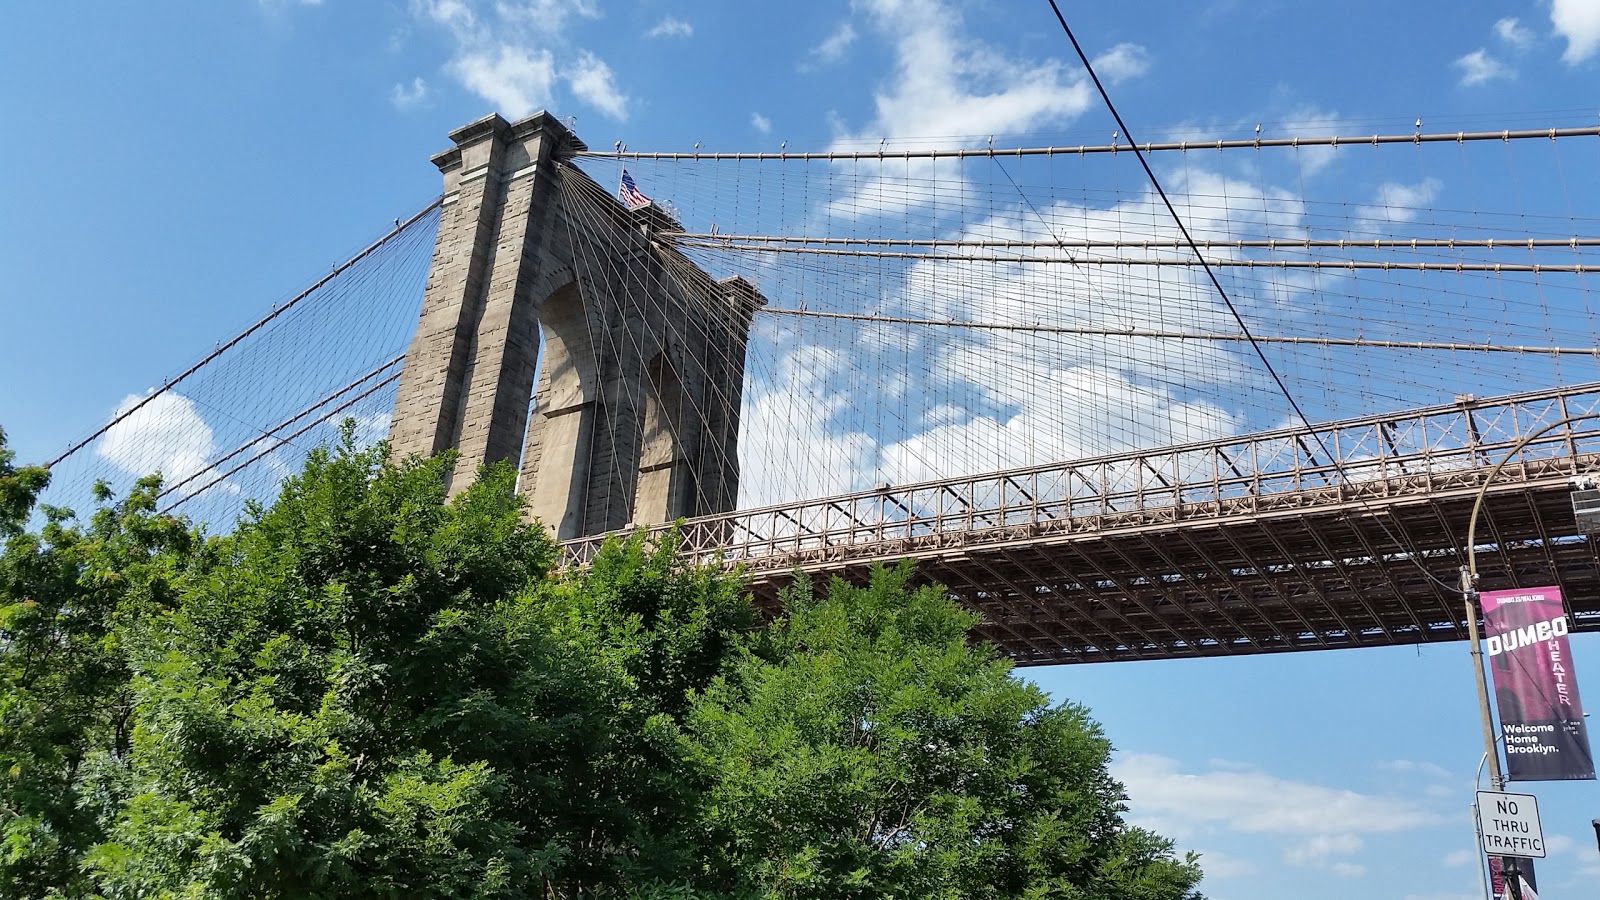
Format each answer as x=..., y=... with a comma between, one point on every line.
x=371, y=689
x=68, y=598
x=862, y=746
x=68, y=595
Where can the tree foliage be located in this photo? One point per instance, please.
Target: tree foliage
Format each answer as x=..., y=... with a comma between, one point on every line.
x=70, y=597
x=863, y=747
x=371, y=689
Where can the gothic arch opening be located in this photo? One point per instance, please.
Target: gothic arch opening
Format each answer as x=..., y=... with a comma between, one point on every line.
x=664, y=478
x=559, y=450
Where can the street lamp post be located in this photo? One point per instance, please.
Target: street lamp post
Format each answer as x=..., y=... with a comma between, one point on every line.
x=1469, y=598
x=1510, y=870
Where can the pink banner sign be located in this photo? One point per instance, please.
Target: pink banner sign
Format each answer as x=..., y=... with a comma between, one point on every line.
x=1541, y=717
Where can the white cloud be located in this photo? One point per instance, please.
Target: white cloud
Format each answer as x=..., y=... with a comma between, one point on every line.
x=514, y=54
x=800, y=407
x=167, y=435
x=1324, y=823
x=406, y=96
x=1514, y=33
x=980, y=400
x=1221, y=865
x=1091, y=410
x=278, y=466
x=834, y=46
x=373, y=427
x=1317, y=850
x=1400, y=202
x=761, y=123
x=455, y=15
x=943, y=77
x=512, y=78
x=593, y=82
x=1071, y=397
x=670, y=27
x=1310, y=121
x=1455, y=859
x=1411, y=767
x=546, y=16
x=1579, y=22
x=963, y=401
x=1478, y=67
x=1559, y=843
x=1122, y=62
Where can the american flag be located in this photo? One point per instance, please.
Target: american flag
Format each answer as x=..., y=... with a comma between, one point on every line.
x=629, y=193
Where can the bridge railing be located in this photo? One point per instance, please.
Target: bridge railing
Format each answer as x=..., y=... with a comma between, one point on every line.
x=1425, y=450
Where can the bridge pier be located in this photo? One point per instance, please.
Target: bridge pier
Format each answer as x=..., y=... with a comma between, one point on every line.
x=639, y=354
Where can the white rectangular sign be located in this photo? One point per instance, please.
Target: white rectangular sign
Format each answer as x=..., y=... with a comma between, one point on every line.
x=1510, y=824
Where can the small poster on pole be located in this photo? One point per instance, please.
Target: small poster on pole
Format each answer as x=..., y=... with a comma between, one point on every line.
x=1502, y=890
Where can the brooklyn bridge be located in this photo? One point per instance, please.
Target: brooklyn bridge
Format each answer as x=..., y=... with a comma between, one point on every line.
x=1251, y=421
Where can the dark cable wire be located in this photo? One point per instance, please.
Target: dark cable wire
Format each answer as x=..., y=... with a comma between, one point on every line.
x=1178, y=220
x=1210, y=272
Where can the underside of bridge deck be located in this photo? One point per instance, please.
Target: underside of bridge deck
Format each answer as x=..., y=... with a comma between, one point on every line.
x=1266, y=543
x=1308, y=576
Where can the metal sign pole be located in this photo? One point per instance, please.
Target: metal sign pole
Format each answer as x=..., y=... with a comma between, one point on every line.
x=1469, y=596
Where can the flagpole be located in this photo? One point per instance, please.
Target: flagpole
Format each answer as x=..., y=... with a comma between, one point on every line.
x=622, y=166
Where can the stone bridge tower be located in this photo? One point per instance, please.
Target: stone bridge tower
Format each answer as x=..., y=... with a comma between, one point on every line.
x=539, y=275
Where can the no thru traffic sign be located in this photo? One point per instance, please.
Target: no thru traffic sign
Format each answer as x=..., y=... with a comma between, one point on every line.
x=1510, y=824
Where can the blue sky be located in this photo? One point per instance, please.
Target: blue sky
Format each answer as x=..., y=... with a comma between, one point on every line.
x=175, y=169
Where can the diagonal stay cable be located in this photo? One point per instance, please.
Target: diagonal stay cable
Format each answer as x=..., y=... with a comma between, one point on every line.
x=399, y=228
x=1211, y=273
x=267, y=434
x=1188, y=239
x=281, y=442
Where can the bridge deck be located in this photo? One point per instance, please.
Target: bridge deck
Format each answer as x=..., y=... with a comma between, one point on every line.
x=1263, y=543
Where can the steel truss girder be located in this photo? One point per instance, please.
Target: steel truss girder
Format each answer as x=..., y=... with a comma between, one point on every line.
x=1255, y=544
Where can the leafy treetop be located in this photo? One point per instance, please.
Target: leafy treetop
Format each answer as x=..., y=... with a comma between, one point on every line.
x=370, y=689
